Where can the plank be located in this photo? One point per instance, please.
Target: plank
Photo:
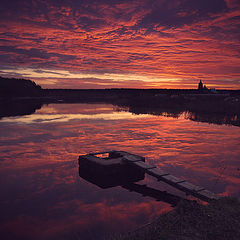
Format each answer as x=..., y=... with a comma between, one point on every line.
x=209, y=195
x=132, y=158
x=143, y=165
x=171, y=179
x=155, y=172
x=189, y=186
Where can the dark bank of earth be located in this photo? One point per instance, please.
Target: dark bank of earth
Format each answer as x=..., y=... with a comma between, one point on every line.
x=21, y=97
x=219, y=220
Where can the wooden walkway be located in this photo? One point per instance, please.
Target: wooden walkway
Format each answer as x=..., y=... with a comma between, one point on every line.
x=120, y=162
x=187, y=187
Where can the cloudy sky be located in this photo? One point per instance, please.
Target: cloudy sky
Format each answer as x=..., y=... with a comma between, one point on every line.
x=121, y=43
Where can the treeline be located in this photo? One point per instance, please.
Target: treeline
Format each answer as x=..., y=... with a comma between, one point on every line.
x=12, y=87
x=20, y=97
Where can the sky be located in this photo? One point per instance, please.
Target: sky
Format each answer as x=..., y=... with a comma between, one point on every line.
x=121, y=43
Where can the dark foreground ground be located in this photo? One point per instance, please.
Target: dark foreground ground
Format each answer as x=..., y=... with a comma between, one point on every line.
x=219, y=220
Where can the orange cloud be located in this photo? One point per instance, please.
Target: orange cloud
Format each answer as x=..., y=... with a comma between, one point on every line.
x=198, y=40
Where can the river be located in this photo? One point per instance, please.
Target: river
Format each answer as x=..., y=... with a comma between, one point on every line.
x=43, y=196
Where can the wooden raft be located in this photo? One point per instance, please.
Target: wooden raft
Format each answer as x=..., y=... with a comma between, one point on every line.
x=125, y=160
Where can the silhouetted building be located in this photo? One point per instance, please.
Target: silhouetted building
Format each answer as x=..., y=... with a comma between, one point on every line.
x=200, y=85
x=202, y=88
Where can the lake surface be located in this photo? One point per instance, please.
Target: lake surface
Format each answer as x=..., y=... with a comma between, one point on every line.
x=43, y=196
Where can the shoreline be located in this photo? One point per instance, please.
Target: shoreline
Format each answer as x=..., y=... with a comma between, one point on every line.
x=219, y=220
x=211, y=108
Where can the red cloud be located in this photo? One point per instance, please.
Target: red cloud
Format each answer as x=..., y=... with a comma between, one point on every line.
x=128, y=38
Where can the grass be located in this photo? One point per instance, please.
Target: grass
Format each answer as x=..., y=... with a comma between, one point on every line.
x=219, y=220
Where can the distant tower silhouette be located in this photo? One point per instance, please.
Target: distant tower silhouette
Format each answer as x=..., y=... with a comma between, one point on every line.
x=200, y=85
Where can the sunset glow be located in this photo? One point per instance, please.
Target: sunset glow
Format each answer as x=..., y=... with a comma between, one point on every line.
x=134, y=44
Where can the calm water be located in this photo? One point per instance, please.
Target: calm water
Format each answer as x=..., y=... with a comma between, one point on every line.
x=43, y=197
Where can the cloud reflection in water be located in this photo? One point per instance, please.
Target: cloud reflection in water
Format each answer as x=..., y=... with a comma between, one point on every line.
x=42, y=194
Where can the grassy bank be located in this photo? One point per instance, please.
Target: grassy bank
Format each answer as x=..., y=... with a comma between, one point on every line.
x=219, y=220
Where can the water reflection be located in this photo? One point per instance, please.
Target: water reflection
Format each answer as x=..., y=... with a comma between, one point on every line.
x=226, y=119
x=46, y=118
x=19, y=108
x=127, y=181
x=67, y=112
x=43, y=197
x=198, y=116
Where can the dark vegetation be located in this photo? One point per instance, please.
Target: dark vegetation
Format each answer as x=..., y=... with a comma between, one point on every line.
x=191, y=221
x=222, y=107
x=12, y=87
x=19, y=97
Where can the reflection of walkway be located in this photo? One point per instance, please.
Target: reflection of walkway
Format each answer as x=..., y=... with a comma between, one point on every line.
x=154, y=193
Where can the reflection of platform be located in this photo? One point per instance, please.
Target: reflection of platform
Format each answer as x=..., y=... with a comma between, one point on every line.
x=128, y=182
x=120, y=168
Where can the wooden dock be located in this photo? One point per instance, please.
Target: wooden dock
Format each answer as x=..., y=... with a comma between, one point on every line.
x=124, y=160
x=183, y=185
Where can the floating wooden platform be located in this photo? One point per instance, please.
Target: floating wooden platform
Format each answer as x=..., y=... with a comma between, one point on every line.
x=107, y=169
x=129, y=165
